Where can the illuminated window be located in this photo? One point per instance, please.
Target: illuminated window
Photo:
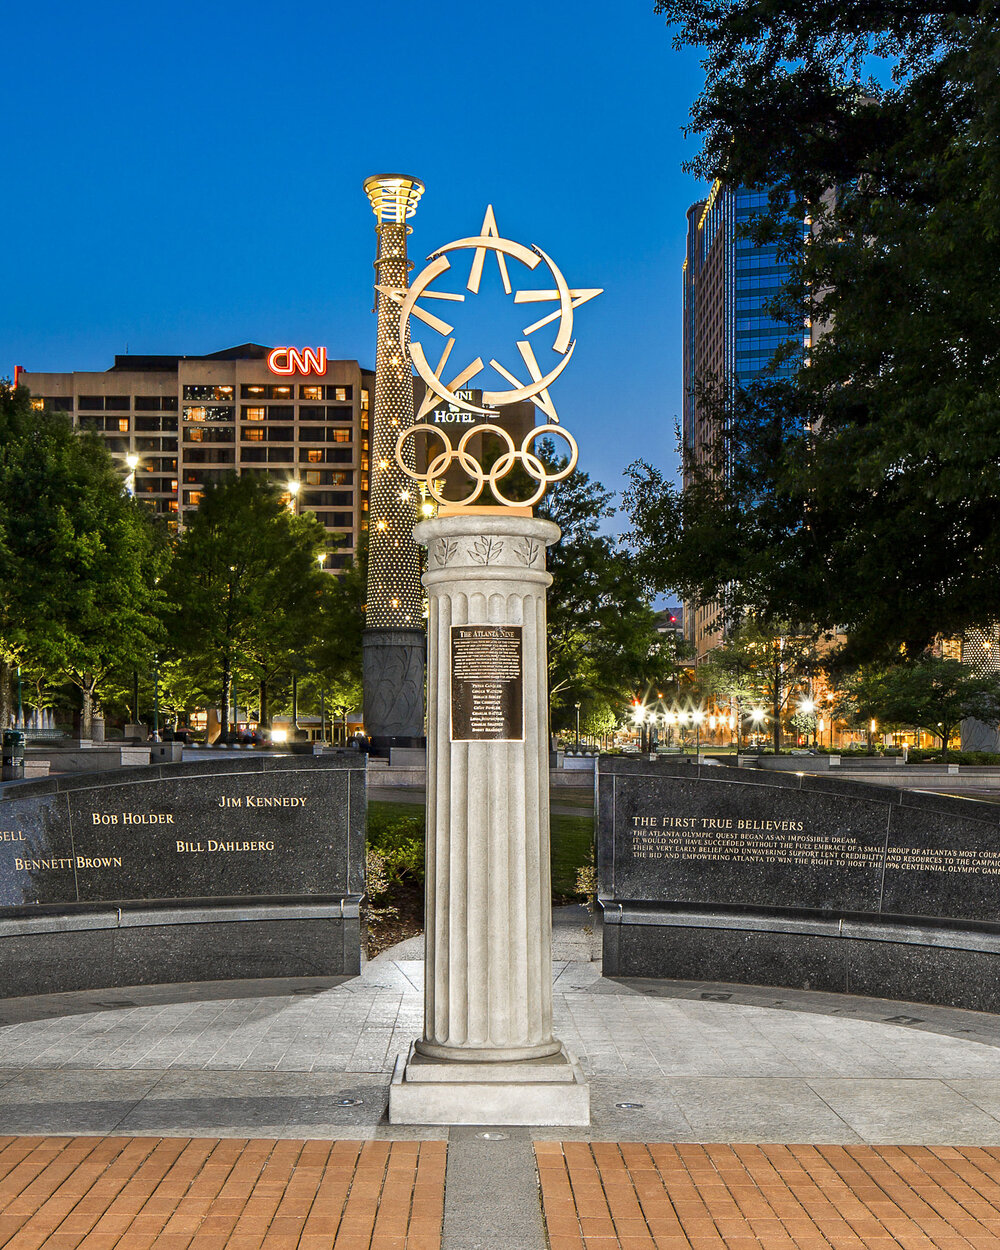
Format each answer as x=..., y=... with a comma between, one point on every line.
x=38, y=405
x=205, y=413
x=253, y=436
x=341, y=393
x=312, y=477
x=253, y=414
x=253, y=392
x=210, y=392
x=339, y=436
x=173, y=483
x=281, y=392
x=310, y=392
x=314, y=457
x=123, y=425
x=171, y=505
x=364, y=399
x=194, y=436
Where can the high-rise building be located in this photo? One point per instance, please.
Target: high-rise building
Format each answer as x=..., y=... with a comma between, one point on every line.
x=178, y=422
x=729, y=334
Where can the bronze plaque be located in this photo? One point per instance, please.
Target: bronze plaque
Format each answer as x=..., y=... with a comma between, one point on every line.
x=487, y=694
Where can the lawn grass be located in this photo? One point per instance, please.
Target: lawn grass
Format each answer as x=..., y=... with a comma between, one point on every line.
x=571, y=836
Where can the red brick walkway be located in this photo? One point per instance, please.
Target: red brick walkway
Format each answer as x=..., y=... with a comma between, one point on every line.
x=134, y=1193
x=620, y=1196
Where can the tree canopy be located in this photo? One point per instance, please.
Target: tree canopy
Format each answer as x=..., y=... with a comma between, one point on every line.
x=79, y=558
x=861, y=492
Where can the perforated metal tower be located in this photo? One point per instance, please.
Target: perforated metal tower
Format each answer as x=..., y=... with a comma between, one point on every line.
x=394, y=639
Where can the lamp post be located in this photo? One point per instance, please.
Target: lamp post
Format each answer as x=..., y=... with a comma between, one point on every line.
x=697, y=716
x=156, y=699
x=294, y=486
x=578, y=726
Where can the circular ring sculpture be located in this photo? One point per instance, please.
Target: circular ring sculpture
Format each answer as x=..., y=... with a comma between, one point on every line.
x=535, y=388
x=439, y=465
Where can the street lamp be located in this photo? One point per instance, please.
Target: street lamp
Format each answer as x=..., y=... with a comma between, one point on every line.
x=132, y=460
x=697, y=716
x=294, y=486
x=321, y=559
x=757, y=716
x=807, y=707
x=577, y=726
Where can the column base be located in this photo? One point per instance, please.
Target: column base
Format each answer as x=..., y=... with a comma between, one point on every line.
x=546, y=1091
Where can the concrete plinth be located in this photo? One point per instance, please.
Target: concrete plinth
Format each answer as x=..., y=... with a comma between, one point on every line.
x=539, y=1091
x=488, y=1053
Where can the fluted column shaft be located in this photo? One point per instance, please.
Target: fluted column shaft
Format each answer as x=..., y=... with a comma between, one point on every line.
x=488, y=923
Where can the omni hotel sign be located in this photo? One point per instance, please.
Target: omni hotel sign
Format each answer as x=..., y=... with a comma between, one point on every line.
x=450, y=414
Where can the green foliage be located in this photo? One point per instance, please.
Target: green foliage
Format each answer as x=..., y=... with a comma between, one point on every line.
x=764, y=665
x=79, y=558
x=602, y=639
x=937, y=694
x=572, y=848
x=245, y=587
x=861, y=493
x=395, y=848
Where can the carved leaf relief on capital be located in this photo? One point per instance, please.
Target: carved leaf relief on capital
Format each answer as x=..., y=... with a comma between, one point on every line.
x=486, y=550
x=444, y=551
x=527, y=551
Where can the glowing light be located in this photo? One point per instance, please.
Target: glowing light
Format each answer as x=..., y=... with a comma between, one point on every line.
x=285, y=361
x=757, y=715
x=294, y=486
x=279, y=735
x=132, y=460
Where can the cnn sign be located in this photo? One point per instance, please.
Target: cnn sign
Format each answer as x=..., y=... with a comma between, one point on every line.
x=288, y=360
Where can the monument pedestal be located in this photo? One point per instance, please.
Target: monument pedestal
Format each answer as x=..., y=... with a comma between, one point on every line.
x=488, y=1053
x=552, y=1090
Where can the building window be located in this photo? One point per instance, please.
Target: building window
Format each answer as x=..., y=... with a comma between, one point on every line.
x=279, y=392
x=193, y=497
x=312, y=477
x=194, y=435
x=253, y=454
x=310, y=392
x=90, y=403
x=314, y=457
x=364, y=399
x=123, y=425
x=205, y=413
x=341, y=393
x=278, y=412
x=205, y=391
x=253, y=392
x=117, y=403
x=253, y=436
x=38, y=405
x=312, y=414
x=253, y=414
x=338, y=436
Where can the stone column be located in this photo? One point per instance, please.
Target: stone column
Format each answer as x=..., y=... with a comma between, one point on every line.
x=488, y=1053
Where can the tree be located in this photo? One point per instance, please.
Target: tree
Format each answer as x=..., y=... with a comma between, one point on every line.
x=245, y=586
x=861, y=698
x=79, y=558
x=763, y=664
x=602, y=638
x=938, y=694
x=869, y=488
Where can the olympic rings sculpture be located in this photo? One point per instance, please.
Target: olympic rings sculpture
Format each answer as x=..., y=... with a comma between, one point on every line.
x=533, y=466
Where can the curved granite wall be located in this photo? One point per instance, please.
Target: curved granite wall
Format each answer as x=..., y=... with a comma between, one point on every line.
x=216, y=869
x=714, y=873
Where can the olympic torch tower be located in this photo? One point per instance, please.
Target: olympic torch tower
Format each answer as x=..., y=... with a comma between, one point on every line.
x=394, y=641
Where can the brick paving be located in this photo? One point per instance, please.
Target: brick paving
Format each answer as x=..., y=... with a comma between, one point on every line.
x=628, y=1196
x=148, y=1193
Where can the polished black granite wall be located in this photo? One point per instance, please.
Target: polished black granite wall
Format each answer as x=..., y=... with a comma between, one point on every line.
x=202, y=870
x=721, y=874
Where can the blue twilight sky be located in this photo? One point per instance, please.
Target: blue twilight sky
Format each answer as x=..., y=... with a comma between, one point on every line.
x=184, y=177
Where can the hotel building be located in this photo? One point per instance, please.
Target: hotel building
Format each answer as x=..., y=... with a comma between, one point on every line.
x=729, y=335
x=292, y=415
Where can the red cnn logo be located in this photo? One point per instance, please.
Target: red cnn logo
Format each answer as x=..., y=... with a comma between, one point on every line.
x=289, y=360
